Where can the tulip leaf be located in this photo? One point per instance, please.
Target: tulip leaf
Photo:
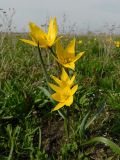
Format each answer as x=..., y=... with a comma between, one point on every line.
x=47, y=93
x=114, y=147
x=81, y=128
x=95, y=116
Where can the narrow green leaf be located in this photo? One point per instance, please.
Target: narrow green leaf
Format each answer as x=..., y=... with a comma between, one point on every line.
x=81, y=128
x=114, y=147
x=47, y=93
x=62, y=114
x=95, y=116
x=39, y=144
x=7, y=117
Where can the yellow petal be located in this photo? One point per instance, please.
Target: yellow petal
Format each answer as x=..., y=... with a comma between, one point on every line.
x=58, y=106
x=54, y=87
x=74, y=89
x=29, y=42
x=42, y=42
x=70, y=65
x=71, y=47
x=78, y=56
x=59, y=51
x=72, y=79
x=56, y=80
x=38, y=35
x=52, y=31
x=56, y=97
x=69, y=101
x=64, y=75
x=36, y=31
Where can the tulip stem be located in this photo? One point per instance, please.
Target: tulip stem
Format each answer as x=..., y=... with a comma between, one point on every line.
x=68, y=122
x=53, y=53
x=51, y=49
x=43, y=65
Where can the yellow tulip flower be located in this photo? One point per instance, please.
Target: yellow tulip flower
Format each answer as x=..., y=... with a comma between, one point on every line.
x=66, y=57
x=39, y=37
x=64, y=79
x=63, y=95
x=64, y=92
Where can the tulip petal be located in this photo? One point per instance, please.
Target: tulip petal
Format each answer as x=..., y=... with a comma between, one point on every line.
x=69, y=101
x=59, y=82
x=70, y=65
x=58, y=106
x=72, y=80
x=71, y=47
x=74, y=89
x=52, y=30
x=29, y=42
x=64, y=76
x=57, y=97
x=59, y=51
x=37, y=31
x=38, y=35
x=78, y=56
x=43, y=43
x=55, y=88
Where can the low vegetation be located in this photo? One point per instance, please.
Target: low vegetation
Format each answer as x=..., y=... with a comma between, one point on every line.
x=87, y=130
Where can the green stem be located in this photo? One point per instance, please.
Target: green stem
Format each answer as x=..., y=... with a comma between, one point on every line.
x=51, y=49
x=65, y=126
x=53, y=53
x=68, y=122
x=11, y=150
x=43, y=65
x=39, y=145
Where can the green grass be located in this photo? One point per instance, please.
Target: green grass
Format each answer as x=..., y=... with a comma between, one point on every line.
x=28, y=129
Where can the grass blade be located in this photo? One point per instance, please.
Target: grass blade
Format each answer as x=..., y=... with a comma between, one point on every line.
x=114, y=147
x=81, y=128
x=47, y=93
x=95, y=116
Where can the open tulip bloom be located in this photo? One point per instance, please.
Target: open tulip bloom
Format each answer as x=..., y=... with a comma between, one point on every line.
x=67, y=57
x=64, y=90
x=64, y=79
x=39, y=37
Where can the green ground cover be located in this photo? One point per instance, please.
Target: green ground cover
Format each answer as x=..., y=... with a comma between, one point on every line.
x=28, y=128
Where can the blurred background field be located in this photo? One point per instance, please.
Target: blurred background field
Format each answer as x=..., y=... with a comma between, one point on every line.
x=28, y=129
